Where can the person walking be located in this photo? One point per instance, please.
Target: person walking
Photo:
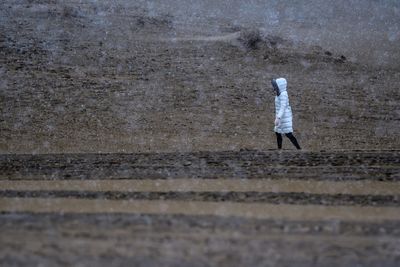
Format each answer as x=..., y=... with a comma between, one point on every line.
x=283, y=113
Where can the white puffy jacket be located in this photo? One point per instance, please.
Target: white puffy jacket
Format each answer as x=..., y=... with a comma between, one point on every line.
x=283, y=110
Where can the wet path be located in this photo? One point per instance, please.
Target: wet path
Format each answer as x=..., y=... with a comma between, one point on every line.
x=225, y=209
x=209, y=185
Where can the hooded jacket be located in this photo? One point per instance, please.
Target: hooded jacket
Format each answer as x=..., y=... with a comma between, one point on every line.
x=283, y=110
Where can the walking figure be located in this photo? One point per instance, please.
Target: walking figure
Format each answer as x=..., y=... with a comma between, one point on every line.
x=283, y=112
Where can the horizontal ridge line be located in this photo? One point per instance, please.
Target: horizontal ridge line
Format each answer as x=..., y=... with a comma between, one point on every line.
x=235, y=197
x=209, y=185
x=223, y=209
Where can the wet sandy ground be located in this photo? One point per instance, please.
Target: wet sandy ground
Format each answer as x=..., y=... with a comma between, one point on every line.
x=192, y=206
x=51, y=217
x=207, y=185
x=148, y=240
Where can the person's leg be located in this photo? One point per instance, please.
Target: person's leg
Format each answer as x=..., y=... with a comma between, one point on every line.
x=293, y=140
x=279, y=140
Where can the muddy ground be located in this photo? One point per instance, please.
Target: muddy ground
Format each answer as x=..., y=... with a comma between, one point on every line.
x=156, y=91
x=250, y=228
x=148, y=240
x=101, y=78
x=245, y=164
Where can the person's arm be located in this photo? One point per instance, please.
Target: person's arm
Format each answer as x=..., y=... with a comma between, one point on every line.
x=283, y=100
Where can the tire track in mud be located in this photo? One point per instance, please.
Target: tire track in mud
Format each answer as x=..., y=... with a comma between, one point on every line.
x=238, y=197
x=218, y=190
x=220, y=209
x=200, y=223
x=253, y=197
x=207, y=185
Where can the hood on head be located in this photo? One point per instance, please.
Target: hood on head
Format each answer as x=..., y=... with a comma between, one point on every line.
x=282, y=84
x=279, y=85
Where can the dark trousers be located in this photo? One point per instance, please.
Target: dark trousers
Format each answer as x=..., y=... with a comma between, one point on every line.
x=291, y=138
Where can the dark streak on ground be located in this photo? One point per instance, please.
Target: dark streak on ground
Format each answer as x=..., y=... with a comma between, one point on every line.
x=244, y=197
